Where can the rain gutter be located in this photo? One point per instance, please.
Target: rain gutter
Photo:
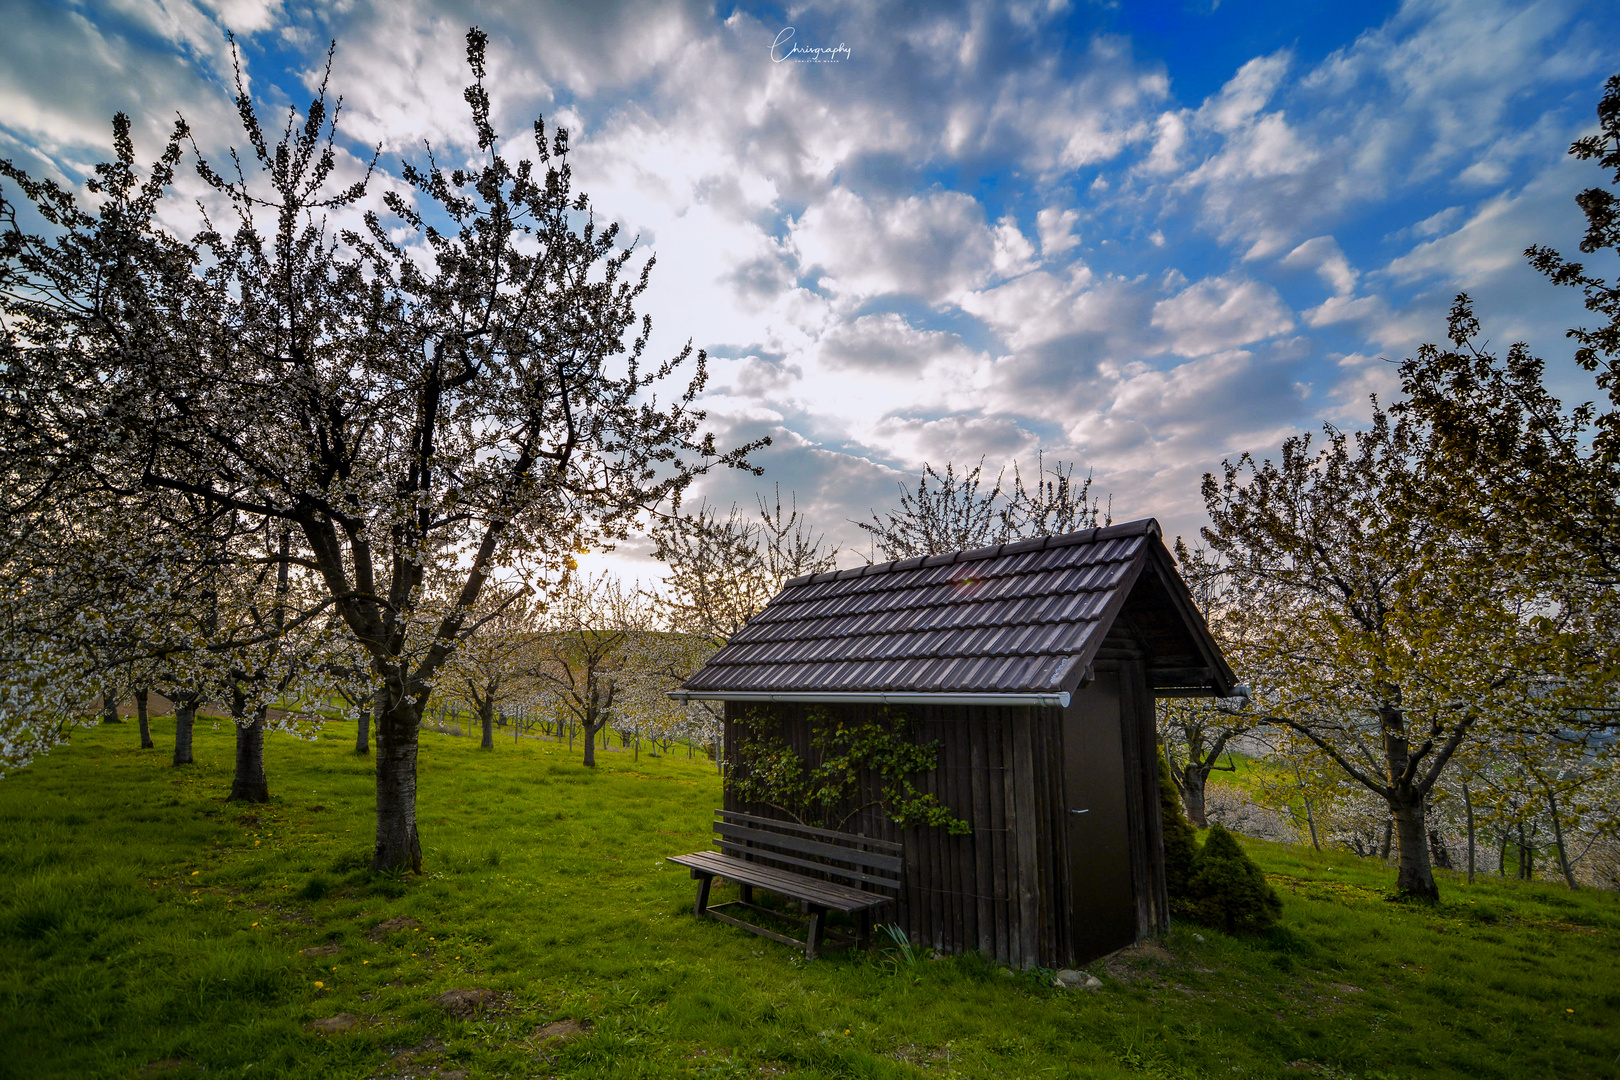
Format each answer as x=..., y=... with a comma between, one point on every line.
x=1059, y=700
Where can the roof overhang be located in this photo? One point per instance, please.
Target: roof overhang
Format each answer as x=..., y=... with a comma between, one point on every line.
x=1212, y=678
x=1041, y=700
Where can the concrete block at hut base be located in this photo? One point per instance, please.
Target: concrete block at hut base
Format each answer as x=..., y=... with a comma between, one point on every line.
x=1069, y=979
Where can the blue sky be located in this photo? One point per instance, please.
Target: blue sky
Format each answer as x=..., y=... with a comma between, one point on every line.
x=1139, y=237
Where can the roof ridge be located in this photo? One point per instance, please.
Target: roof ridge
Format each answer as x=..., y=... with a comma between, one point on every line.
x=1141, y=526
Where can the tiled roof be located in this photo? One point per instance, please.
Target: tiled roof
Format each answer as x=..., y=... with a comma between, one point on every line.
x=1025, y=617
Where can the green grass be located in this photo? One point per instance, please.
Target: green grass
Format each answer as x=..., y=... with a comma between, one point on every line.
x=1251, y=774
x=148, y=928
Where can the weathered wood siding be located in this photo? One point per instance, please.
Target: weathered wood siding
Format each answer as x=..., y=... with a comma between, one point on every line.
x=1002, y=890
x=1122, y=653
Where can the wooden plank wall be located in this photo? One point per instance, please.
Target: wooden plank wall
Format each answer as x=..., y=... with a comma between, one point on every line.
x=1003, y=889
x=1153, y=899
x=1140, y=741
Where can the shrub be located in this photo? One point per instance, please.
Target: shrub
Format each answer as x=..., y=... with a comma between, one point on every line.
x=1180, y=844
x=1228, y=891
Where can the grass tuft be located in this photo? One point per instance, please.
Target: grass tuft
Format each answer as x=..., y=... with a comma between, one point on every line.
x=315, y=888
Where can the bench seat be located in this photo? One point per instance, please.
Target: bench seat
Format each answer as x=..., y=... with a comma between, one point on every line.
x=866, y=865
x=828, y=894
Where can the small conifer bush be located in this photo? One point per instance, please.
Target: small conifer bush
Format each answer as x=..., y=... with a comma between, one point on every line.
x=1180, y=843
x=1228, y=890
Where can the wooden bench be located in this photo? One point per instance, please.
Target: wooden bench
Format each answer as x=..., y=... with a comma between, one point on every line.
x=757, y=852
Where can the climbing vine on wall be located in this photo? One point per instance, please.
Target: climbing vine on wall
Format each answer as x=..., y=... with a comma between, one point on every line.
x=775, y=774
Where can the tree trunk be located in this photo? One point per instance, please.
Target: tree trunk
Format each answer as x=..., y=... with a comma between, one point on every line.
x=590, y=745
x=185, y=717
x=1310, y=821
x=109, y=708
x=1439, y=854
x=486, y=709
x=398, y=847
x=1524, y=855
x=1193, y=780
x=140, y=713
x=362, y=734
x=1389, y=833
x=1468, y=808
x=1414, y=876
x=1558, y=841
x=249, y=784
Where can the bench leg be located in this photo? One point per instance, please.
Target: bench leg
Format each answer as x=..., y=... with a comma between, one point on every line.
x=745, y=893
x=812, y=943
x=702, y=905
x=866, y=930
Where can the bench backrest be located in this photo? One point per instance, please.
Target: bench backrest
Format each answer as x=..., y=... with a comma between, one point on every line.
x=861, y=861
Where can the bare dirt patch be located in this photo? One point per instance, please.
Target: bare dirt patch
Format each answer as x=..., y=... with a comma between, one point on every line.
x=332, y=1025
x=559, y=1031
x=1138, y=963
x=465, y=1004
x=392, y=926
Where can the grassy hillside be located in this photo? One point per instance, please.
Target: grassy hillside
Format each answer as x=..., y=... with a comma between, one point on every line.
x=149, y=929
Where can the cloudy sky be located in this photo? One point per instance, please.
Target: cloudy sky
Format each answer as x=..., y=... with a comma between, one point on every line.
x=1139, y=236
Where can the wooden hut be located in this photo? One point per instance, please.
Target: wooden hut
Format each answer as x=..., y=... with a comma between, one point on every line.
x=1034, y=666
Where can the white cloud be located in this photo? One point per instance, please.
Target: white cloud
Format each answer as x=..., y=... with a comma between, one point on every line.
x=1221, y=313
x=148, y=64
x=1169, y=136
x=1323, y=255
x=1013, y=251
x=962, y=439
x=1344, y=308
x=1246, y=93
x=1043, y=306
x=1490, y=242
x=244, y=16
x=1277, y=158
x=1438, y=222
x=1056, y=230
x=1359, y=377
x=935, y=246
x=887, y=342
